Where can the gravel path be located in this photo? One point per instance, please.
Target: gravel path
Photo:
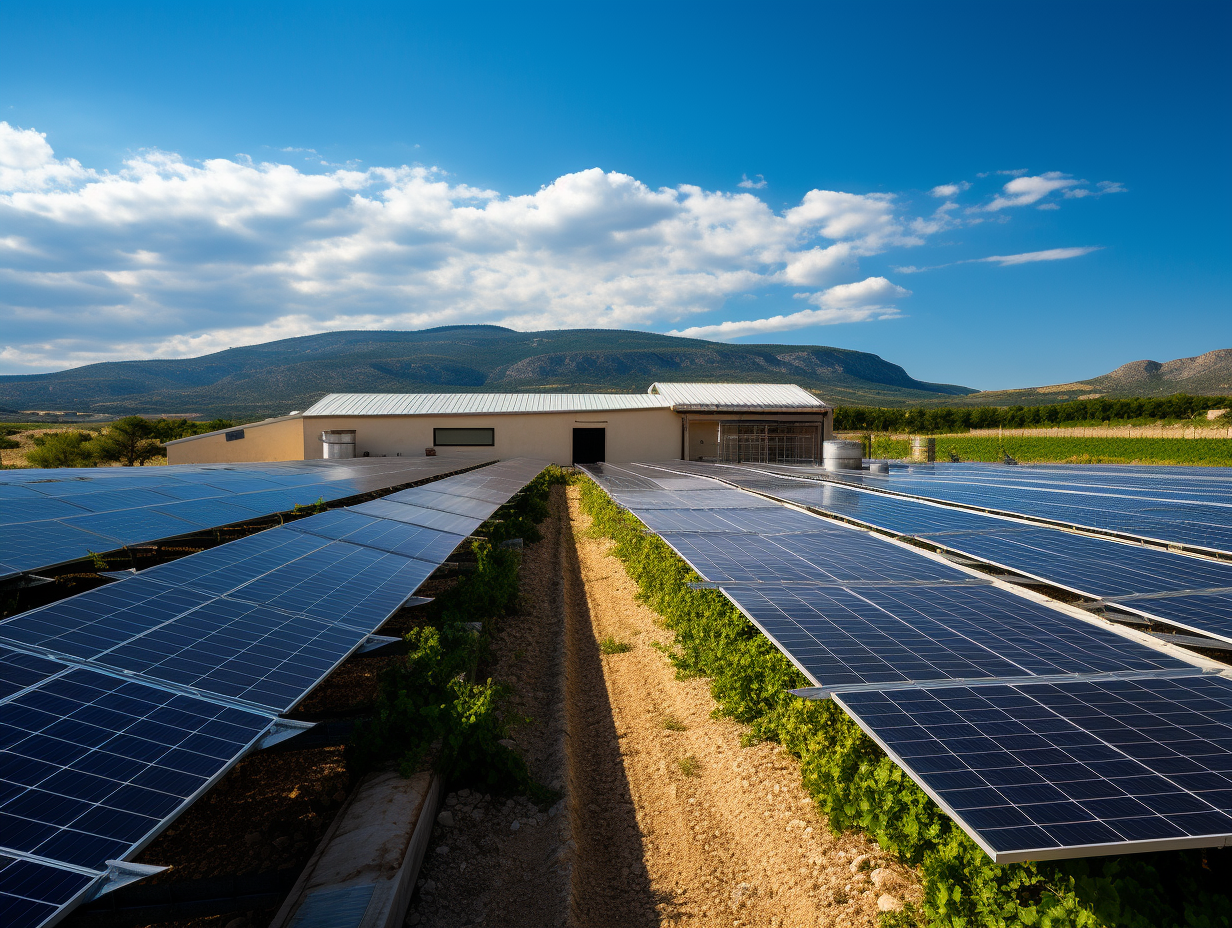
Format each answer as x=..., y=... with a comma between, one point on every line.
x=676, y=823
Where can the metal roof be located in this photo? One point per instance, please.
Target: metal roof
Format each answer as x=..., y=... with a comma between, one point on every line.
x=465, y=404
x=737, y=396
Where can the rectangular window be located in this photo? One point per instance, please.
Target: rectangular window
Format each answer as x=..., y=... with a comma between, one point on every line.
x=448, y=437
x=235, y=435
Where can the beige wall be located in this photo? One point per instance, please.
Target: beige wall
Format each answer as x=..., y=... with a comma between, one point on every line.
x=703, y=440
x=271, y=441
x=632, y=435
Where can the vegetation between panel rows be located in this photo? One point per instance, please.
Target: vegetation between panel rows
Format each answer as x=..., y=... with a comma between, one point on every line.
x=857, y=786
x=428, y=710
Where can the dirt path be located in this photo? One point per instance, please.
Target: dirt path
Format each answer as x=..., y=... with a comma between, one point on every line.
x=676, y=824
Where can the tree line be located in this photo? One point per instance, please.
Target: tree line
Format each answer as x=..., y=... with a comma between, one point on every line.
x=957, y=419
x=131, y=441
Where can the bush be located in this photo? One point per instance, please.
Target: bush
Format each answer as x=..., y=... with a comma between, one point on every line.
x=63, y=449
x=857, y=786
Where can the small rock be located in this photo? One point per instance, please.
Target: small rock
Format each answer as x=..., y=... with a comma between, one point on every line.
x=858, y=863
x=340, y=796
x=429, y=886
x=252, y=838
x=282, y=842
x=241, y=922
x=508, y=743
x=887, y=903
x=445, y=819
x=464, y=793
x=515, y=825
x=880, y=876
x=556, y=809
x=442, y=849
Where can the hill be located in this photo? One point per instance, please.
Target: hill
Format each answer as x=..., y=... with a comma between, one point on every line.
x=1207, y=374
x=276, y=377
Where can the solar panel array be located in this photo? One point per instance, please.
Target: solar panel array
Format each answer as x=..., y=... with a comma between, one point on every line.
x=1041, y=733
x=50, y=517
x=120, y=706
x=1188, y=592
x=1173, y=505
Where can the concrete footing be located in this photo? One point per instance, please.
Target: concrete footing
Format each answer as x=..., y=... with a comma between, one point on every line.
x=363, y=872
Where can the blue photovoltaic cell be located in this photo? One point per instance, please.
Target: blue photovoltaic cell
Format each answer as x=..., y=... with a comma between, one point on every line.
x=17, y=511
x=774, y=521
x=135, y=526
x=445, y=502
x=32, y=893
x=120, y=499
x=221, y=570
x=692, y=499
x=834, y=553
x=18, y=671
x=181, y=490
x=46, y=545
x=1210, y=614
x=91, y=765
x=840, y=637
x=90, y=623
x=1038, y=771
x=208, y=513
x=341, y=583
x=382, y=534
x=241, y=650
x=416, y=515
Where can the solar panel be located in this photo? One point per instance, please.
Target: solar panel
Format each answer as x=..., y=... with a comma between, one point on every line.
x=382, y=534
x=226, y=567
x=135, y=526
x=91, y=766
x=1074, y=769
x=834, y=553
x=778, y=520
x=417, y=515
x=692, y=499
x=33, y=549
x=445, y=502
x=17, y=511
x=843, y=637
x=33, y=893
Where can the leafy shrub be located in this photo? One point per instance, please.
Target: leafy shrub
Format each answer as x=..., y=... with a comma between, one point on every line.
x=857, y=786
x=63, y=449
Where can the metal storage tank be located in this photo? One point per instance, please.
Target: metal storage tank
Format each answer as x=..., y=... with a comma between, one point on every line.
x=337, y=444
x=923, y=449
x=842, y=455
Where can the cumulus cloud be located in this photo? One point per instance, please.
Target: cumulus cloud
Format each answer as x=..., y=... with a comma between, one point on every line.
x=168, y=258
x=949, y=190
x=749, y=184
x=1025, y=190
x=855, y=302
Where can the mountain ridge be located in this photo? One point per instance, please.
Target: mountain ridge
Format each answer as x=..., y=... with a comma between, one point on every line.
x=274, y=377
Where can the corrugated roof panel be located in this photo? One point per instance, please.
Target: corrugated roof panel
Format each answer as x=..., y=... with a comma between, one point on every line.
x=462, y=404
x=736, y=396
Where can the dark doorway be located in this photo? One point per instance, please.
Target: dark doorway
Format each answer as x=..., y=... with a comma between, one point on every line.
x=589, y=445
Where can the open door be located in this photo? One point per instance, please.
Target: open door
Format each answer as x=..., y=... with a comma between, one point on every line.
x=589, y=445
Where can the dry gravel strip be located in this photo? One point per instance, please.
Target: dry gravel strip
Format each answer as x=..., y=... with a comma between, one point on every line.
x=676, y=823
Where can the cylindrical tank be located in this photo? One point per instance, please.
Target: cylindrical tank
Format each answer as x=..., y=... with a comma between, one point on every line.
x=337, y=444
x=842, y=455
x=879, y=467
x=924, y=449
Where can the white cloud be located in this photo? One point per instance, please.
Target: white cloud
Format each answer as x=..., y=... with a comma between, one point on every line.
x=1050, y=254
x=949, y=190
x=751, y=184
x=1104, y=186
x=855, y=302
x=1023, y=191
x=167, y=258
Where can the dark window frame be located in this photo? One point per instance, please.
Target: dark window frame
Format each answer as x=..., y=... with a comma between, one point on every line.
x=235, y=435
x=436, y=443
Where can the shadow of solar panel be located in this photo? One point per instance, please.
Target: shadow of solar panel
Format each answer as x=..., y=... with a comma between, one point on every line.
x=240, y=650
x=31, y=894
x=1046, y=771
x=834, y=553
x=417, y=515
x=841, y=637
x=90, y=623
x=382, y=534
x=93, y=765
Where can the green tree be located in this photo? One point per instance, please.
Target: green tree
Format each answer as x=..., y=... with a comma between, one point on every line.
x=63, y=449
x=129, y=441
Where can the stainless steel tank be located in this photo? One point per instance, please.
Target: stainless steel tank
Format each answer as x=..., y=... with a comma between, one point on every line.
x=337, y=444
x=837, y=454
x=924, y=449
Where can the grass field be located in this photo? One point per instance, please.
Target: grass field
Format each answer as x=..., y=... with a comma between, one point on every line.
x=1206, y=452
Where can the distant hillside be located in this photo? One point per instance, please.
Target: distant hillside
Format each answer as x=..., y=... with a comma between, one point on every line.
x=277, y=377
x=1208, y=374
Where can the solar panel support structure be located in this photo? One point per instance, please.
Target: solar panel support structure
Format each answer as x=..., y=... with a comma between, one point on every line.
x=121, y=873
x=280, y=731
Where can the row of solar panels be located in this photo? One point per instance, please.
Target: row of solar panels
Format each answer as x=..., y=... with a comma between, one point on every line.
x=1043, y=734
x=50, y=517
x=1188, y=592
x=1173, y=509
x=120, y=706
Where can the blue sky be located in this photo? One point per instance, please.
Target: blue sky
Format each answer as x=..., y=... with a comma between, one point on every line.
x=178, y=178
